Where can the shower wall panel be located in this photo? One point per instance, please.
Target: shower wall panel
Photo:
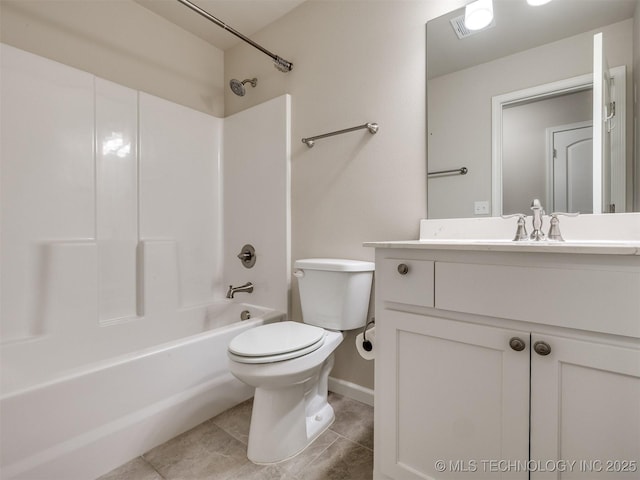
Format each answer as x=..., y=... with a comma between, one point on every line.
x=180, y=192
x=257, y=197
x=47, y=177
x=116, y=199
x=110, y=217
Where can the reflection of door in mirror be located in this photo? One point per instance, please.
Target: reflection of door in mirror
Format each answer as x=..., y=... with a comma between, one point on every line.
x=570, y=155
x=527, y=172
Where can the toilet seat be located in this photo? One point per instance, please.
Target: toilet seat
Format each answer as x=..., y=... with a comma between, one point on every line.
x=276, y=342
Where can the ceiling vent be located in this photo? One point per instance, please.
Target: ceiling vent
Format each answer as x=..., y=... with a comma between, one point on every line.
x=463, y=32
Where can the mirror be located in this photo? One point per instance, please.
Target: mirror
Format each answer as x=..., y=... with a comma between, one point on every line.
x=526, y=49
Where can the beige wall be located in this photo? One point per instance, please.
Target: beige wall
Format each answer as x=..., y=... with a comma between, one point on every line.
x=354, y=62
x=460, y=110
x=120, y=41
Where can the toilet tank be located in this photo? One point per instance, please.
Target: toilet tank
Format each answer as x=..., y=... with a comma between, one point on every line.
x=334, y=293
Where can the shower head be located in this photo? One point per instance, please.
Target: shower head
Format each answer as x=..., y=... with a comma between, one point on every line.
x=237, y=86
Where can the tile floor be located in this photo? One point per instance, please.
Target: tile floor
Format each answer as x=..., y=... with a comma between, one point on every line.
x=216, y=449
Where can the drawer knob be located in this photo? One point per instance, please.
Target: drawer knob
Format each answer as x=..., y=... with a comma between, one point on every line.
x=542, y=348
x=517, y=344
x=403, y=269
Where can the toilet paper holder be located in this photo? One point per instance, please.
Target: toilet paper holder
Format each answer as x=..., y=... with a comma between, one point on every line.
x=366, y=344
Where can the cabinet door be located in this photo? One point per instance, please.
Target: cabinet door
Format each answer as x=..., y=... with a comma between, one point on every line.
x=451, y=392
x=585, y=408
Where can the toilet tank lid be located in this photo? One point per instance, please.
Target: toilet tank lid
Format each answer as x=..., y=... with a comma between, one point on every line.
x=334, y=265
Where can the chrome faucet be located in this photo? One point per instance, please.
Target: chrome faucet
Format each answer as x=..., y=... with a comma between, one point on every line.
x=247, y=288
x=537, y=234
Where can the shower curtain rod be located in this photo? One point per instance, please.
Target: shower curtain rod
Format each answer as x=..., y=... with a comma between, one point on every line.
x=279, y=62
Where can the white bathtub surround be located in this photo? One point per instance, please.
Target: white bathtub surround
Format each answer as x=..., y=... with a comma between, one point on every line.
x=257, y=199
x=110, y=218
x=111, y=250
x=116, y=186
x=57, y=167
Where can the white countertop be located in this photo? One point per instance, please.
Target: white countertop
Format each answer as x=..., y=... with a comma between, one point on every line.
x=604, y=234
x=588, y=248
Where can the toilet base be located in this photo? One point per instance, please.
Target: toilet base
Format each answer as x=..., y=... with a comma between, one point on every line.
x=267, y=447
x=287, y=420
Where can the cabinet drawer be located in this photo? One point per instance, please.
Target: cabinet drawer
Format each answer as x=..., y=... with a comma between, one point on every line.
x=603, y=300
x=413, y=287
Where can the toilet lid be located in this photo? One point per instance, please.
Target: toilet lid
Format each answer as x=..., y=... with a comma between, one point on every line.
x=277, y=339
x=277, y=358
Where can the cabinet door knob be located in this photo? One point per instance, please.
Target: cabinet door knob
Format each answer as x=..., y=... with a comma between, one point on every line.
x=517, y=344
x=403, y=269
x=542, y=348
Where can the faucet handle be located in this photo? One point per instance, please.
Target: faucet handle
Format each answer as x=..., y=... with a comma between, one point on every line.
x=574, y=214
x=521, y=231
x=554, y=228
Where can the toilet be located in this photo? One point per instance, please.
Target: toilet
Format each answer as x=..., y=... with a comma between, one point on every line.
x=289, y=363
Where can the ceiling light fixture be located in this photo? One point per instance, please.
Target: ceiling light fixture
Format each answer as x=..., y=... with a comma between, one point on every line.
x=478, y=14
x=535, y=3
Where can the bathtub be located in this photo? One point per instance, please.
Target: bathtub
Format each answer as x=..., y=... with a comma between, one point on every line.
x=87, y=420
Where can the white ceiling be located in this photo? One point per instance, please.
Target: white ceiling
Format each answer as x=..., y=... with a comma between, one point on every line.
x=245, y=16
x=518, y=27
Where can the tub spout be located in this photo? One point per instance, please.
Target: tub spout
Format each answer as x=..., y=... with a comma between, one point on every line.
x=247, y=288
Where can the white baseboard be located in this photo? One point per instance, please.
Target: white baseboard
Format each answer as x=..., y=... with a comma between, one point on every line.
x=351, y=390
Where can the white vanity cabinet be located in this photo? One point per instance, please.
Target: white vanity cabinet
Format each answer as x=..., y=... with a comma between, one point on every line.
x=463, y=391
x=585, y=406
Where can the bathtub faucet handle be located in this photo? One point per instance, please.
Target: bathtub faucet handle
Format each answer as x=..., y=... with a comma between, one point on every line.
x=247, y=288
x=247, y=256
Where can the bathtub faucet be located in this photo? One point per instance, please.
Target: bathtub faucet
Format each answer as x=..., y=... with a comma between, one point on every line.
x=247, y=287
